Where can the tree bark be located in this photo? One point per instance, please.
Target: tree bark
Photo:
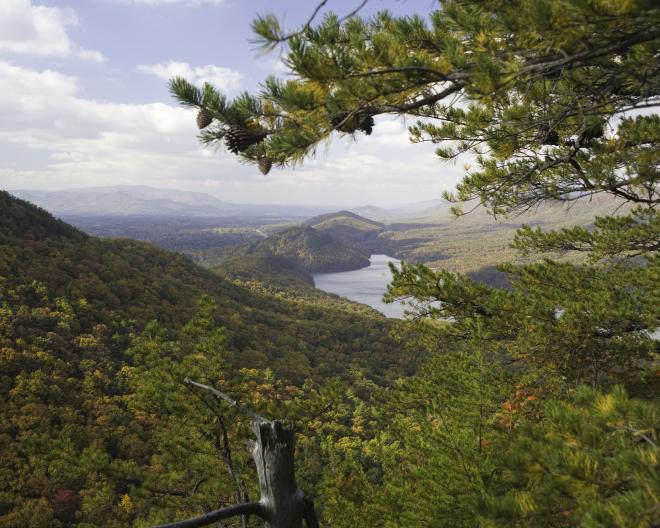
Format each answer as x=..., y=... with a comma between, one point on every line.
x=282, y=504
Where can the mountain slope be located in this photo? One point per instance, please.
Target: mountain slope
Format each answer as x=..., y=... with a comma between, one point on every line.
x=343, y=218
x=264, y=266
x=125, y=279
x=355, y=231
x=90, y=328
x=312, y=249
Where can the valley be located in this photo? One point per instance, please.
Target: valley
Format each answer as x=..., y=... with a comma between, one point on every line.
x=239, y=238
x=286, y=247
x=231, y=296
x=333, y=251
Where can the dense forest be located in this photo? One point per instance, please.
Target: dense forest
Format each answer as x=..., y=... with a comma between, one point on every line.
x=94, y=336
x=535, y=405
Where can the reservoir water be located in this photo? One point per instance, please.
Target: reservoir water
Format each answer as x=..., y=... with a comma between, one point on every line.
x=366, y=285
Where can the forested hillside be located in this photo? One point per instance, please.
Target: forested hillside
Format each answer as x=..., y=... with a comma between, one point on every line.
x=261, y=264
x=312, y=249
x=355, y=231
x=96, y=337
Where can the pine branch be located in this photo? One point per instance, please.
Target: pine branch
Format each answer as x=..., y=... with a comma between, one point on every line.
x=269, y=32
x=186, y=93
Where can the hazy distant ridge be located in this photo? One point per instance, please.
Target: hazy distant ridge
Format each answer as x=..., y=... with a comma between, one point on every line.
x=128, y=200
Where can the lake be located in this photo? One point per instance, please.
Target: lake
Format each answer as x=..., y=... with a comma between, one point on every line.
x=366, y=285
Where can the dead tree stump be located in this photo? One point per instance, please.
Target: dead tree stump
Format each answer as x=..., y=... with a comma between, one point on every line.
x=282, y=503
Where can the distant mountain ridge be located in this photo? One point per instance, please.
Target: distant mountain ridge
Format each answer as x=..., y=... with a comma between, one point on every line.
x=393, y=213
x=134, y=200
x=140, y=200
x=126, y=200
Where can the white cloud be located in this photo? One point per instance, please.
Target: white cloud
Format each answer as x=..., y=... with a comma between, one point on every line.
x=26, y=28
x=22, y=82
x=226, y=80
x=86, y=141
x=51, y=136
x=391, y=133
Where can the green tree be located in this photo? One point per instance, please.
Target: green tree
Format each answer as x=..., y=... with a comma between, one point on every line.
x=419, y=452
x=546, y=97
x=592, y=461
x=553, y=100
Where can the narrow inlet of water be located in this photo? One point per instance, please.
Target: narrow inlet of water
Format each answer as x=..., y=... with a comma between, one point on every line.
x=366, y=285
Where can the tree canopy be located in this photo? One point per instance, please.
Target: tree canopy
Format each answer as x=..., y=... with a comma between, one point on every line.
x=549, y=100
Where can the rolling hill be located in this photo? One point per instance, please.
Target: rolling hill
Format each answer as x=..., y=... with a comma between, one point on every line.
x=357, y=232
x=312, y=249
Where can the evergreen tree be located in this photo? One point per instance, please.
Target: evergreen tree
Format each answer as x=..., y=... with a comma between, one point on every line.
x=421, y=451
x=592, y=462
x=555, y=101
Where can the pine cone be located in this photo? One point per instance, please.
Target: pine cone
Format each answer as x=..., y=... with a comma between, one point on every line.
x=265, y=163
x=204, y=119
x=367, y=124
x=549, y=136
x=239, y=139
x=347, y=123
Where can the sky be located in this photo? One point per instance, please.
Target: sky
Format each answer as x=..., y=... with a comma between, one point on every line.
x=84, y=102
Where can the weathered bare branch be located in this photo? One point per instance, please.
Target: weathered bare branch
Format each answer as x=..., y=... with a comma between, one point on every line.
x=309, y=513
x=307, y=25
x=231, y=401
x=249, y=508
x=223, y=446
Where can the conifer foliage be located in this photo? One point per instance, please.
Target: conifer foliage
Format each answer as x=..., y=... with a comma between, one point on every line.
x=555, y=100
x=542, y=86
x=591, y=462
